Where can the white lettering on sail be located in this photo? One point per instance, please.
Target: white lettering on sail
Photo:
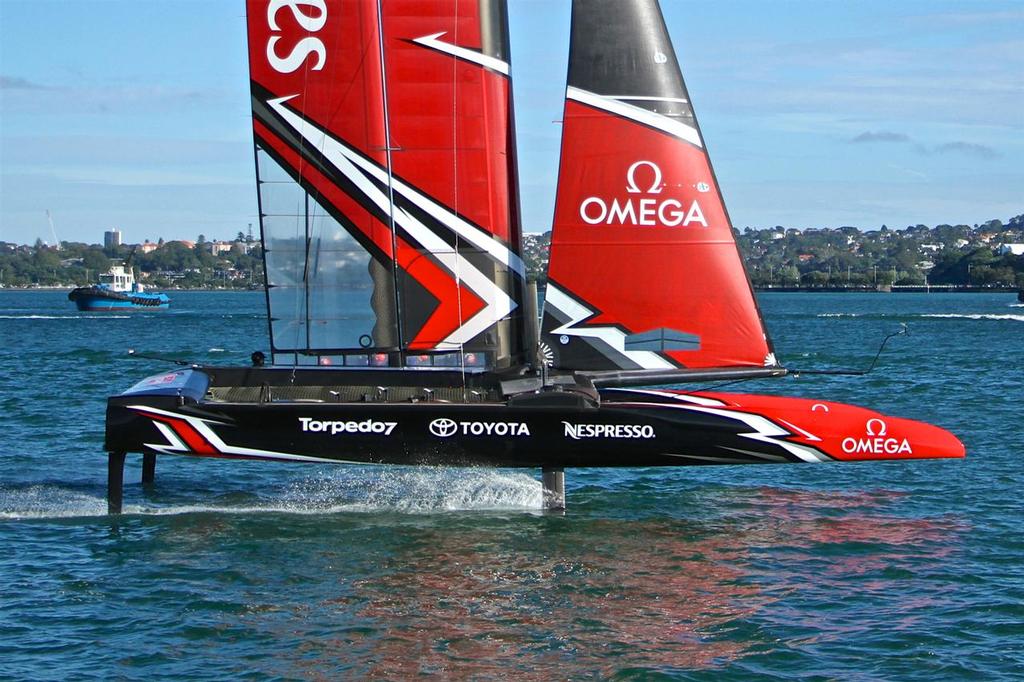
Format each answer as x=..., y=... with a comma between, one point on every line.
x=306, y=46
x=305, y=21
x=621, y=213
x=593, y=201
x=670, y=212
x=293, y=61
x=646, y=212
x=695, y=215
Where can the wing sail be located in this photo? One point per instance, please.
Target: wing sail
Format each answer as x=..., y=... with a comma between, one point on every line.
x=386, y=173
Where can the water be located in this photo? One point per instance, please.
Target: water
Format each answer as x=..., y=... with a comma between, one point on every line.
x=873, y=571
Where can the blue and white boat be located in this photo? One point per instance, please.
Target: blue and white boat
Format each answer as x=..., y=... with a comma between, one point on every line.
x=117, y=290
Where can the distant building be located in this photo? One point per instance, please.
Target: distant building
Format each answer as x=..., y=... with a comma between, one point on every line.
x=1015, y=249
x=111, y=239
x=219, y=247
x=148, y=247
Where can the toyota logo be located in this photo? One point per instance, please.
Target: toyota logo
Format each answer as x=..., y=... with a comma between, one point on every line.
x=443, y=427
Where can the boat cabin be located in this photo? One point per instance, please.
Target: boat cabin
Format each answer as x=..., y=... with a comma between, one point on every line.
x=117, y=279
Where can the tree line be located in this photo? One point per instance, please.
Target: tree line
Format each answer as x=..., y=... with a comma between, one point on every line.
x=846, y=257
x=171, y=264
x=961, y=255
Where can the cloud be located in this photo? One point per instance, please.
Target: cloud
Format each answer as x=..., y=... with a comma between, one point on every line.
x=969, y=148
x=16, y=83
x=908, y=171
x=880, y=136
x=979, y=151
x=967, y=18
x=29, y=99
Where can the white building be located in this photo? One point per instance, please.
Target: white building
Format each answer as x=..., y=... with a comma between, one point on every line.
x=219, y=247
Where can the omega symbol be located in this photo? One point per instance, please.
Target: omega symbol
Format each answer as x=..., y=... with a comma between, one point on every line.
x=655, y=181
x=871, y=431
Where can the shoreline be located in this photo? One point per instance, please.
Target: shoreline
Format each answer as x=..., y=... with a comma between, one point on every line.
x=895, y=289
x=884, y=289
x=8, y=287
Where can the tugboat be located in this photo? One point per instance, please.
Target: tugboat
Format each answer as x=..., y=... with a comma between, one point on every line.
x=117, y=290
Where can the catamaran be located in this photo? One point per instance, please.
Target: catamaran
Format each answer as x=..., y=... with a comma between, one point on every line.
x=402, y=327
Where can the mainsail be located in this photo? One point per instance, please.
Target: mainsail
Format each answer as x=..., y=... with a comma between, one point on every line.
x=644, y=271
x=387, y=182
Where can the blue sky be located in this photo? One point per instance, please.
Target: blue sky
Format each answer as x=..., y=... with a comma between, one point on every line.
x=817, y=114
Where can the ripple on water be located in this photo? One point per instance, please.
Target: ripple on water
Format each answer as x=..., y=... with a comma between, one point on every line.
x=225, y=569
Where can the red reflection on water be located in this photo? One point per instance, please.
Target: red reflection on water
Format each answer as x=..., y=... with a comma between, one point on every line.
x=471, y=612
x=569, y=597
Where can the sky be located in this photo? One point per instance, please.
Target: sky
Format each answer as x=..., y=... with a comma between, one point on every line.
x=134, y=114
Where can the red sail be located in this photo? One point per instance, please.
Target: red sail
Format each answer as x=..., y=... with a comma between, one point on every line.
x=644, y=270
x=394, y=122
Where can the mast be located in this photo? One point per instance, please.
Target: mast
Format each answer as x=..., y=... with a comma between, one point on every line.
x=644, y=271
x=380, y=305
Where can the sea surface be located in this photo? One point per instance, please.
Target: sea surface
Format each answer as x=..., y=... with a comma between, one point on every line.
x=874, y=571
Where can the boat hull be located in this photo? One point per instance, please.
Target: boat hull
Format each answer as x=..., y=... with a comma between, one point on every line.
x=624, y=428
x=98, y=299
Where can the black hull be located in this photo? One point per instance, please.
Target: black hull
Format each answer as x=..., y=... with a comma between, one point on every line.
x=418, y=417
x=484, y=435
x=376, y=417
